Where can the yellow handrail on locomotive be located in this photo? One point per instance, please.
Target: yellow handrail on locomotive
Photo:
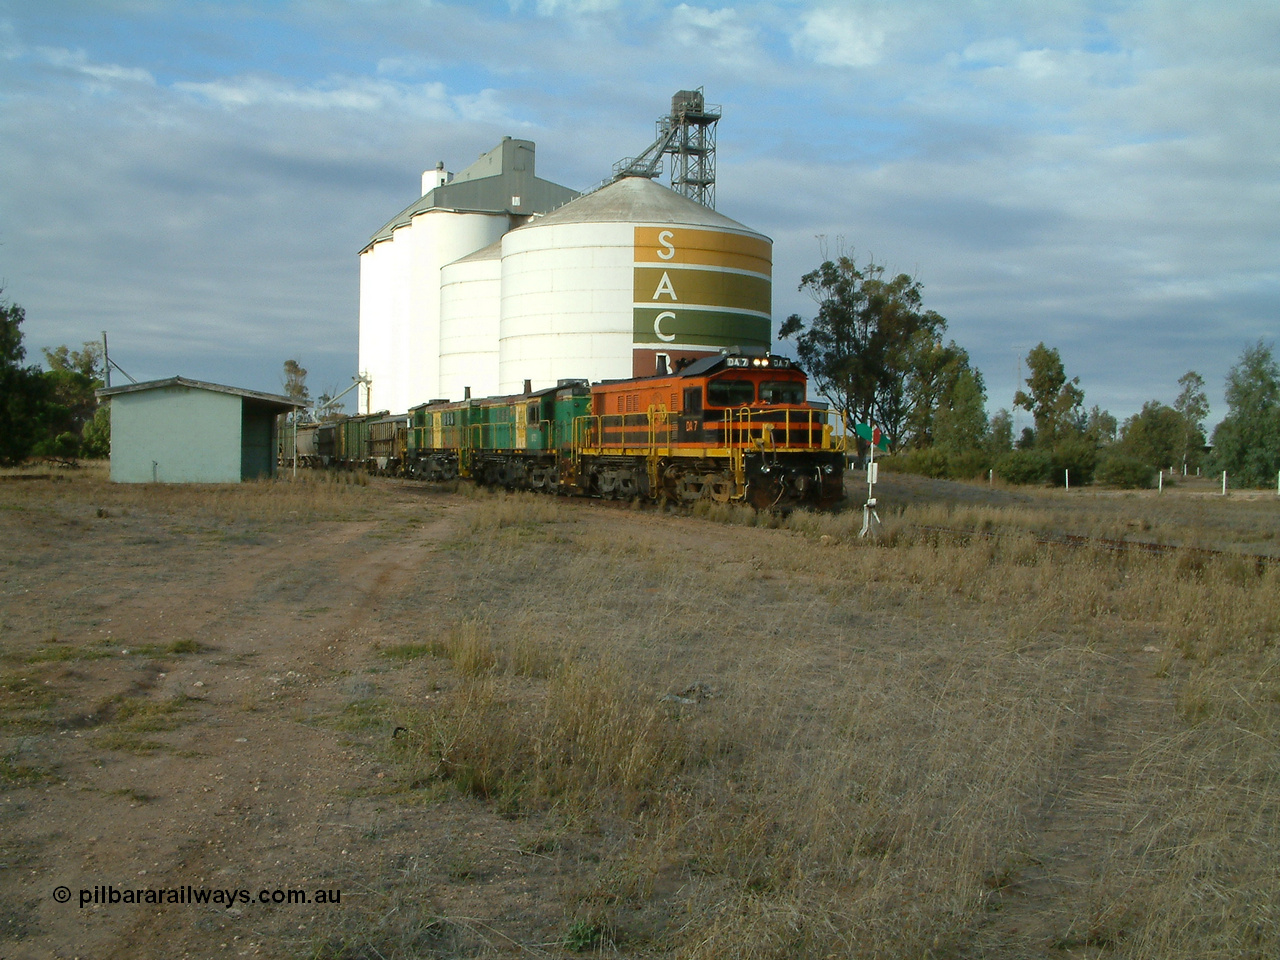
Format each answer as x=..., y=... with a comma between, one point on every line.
x=658, y=415
x=741, y=429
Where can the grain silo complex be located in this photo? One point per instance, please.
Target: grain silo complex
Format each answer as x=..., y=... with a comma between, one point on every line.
x=494, y=277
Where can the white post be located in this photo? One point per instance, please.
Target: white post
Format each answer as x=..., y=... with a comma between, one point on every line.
x=1161, y=475
x=870, y=519
x=1224, y=483
x=991, y=478
x=871, y=468
x=1066, y=478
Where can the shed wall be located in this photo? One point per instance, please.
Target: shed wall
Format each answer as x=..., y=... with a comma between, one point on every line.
x=191, y=436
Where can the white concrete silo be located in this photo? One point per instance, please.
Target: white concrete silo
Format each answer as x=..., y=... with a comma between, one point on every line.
x=400, y=267
x=603, y=285
x=400, y=314
x=470, y=295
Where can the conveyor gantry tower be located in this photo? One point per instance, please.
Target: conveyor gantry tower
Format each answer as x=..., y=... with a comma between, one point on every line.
x=688, y=133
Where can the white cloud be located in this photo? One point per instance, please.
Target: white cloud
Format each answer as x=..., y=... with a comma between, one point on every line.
x=997, y=51
x=359, y=94
x=10, y=48
x=840, y=38
x=721, y=30
x=568, y=8
x=486, y=107
x=1038, y=64
x=406, y=67
x=79, y=62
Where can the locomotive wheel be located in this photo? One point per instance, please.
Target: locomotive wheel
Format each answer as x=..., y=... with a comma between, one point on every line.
x=669, y=484
x=689, y=488
x=720, y=488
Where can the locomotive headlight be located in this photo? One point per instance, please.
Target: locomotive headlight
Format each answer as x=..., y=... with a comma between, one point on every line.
x=755, y=362
x=764, y=362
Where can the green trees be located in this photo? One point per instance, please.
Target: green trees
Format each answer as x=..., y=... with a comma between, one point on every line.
x=1246, y=443
x=960, y=422
x=1055, y=403
x=1100, y=426
x=1000, y=433
x=872, y=348
x=24, y=392
x=946, y=399
x=295, y=381
x=50, y=414
x=879, y=356
x=1193, y=406
x=73, y=377
x=1060, y=444
x=1156, y=435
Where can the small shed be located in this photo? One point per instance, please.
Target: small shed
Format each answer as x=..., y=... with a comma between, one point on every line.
x=188, y=431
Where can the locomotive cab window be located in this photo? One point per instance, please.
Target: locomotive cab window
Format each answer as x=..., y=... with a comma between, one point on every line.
x=693, y=400
x=782, y=391
x=730, y=393
x=531, y=417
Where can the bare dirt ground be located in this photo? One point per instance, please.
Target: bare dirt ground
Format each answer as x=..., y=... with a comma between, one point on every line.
x=203, y=689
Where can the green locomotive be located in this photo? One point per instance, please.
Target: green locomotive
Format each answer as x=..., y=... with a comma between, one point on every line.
x=516, y=441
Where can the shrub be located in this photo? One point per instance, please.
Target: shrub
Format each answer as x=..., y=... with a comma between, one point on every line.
x=968, y=465
x=1078, y=455
x=1024, y=467
x=932, y=462
x=1122, y=470
x=927, y=462
x=65, y=446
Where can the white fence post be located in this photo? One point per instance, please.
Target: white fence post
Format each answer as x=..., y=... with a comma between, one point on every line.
x=1224, y=483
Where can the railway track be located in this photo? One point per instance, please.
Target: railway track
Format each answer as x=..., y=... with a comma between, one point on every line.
x=1103, y=543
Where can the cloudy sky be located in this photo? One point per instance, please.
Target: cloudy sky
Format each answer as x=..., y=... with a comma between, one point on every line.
x=196, y=178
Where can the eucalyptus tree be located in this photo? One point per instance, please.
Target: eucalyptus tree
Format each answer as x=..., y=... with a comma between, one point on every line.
x=872, y=348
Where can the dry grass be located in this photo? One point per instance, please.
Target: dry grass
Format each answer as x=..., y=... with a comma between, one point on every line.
x=749, y=736
x=311, y=496
x=901, y=738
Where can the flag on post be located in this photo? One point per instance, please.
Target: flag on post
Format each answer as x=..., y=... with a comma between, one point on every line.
x=873, y=436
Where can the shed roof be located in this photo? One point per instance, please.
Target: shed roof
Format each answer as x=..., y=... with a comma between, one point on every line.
x=271, y=399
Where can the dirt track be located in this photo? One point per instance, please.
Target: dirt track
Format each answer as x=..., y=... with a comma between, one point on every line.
x=253, y=786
